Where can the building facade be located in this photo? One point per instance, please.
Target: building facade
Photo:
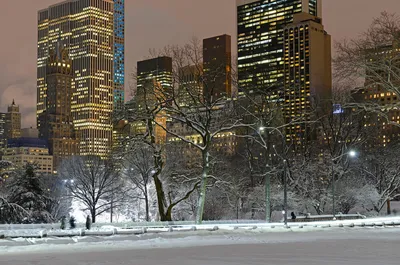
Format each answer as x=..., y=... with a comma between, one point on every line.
x=92, y=32
x=190, y=85
x=29, y=150
x=307, y=75
x=384, y=119
x=119, y=54
x=58, y=127
x=154, y=72
x=154, y=77
x=13, y=122
x=217, y=66
x=260, y=25
x=2, y=131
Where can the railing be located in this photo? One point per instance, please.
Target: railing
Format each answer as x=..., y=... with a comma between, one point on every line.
x=317, y=218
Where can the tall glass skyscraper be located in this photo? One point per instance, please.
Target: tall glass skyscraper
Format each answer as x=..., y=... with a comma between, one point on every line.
x=92, y=31
x=119, y=54
x=260, y=25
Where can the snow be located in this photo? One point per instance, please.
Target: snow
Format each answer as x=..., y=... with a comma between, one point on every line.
x=80, y=212
x=40, y=230
x=341, y=246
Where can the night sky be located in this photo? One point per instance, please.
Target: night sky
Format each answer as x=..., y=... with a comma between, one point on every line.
x=149, y=24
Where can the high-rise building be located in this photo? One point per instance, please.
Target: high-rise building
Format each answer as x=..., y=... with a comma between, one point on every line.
x=2, y=131
x=153, y=76
x=58, y=127
x=260, y=25
x=13, y=122
x=154, y=71
x=217, y=66
x=307, y=75
x=383, y=125
x=92, y=31
x=190, y=85
x=119, y=54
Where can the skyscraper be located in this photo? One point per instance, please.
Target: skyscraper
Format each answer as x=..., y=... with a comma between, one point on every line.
x=13, y=122
x=260, y=25
x=307, y=75
x=155, y=70
x=217, y=66
x=2, y=131
x=383, y=122
x=153, y=75
x=190, y=85
x=57, y=119
x=119, y=54
x=92, y=31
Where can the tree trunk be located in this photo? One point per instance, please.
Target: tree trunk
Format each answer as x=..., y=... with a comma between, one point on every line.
x=93, y=214
x=203, y=187
x=388, y=208
x=168, y=215
x=160, y=198
x=158, y=165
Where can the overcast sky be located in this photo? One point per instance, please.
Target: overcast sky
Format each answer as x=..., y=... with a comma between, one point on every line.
x=149, y=24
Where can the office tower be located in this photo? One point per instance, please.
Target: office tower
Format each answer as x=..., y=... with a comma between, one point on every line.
x=190, y=85
x=217, y=67
x=119, y=54
x=58, y=127
x=154, y=75
x=307, y=75
x=383, y=122
x=29, y=150
x=154, y=71
x=85, y=28
x=13, y=122
x=260, y=25
x=2, y=131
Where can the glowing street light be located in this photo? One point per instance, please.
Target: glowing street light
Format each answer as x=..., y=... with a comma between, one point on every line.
x=352, y=154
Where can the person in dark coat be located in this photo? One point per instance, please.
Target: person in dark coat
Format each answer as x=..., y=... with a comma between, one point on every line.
x=293, y=216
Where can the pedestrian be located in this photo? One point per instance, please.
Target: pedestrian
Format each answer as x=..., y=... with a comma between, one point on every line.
x=293, y=216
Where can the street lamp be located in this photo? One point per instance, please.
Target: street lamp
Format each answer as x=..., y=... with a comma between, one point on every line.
x=285, y=192
x=350, y=153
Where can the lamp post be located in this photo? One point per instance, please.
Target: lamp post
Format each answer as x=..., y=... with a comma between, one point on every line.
x=351, y=153
x=285, y=192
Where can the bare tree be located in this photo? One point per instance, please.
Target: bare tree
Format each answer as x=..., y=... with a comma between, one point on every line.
x=94, y=182
x=139, y=169
x=59, y=204
x=372, y=61
x=192, y=103
x=381, y=171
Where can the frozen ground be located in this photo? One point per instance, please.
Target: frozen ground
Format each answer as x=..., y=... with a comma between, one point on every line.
x=340, y=246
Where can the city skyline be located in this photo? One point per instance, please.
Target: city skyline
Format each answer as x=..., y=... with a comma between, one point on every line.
x=92, y=34
x=147, y=23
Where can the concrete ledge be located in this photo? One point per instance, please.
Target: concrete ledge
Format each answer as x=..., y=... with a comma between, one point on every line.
x=130, y=232
x=65, y=233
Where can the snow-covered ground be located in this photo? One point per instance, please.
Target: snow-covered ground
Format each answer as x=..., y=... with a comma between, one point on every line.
x=79, y=211
x=341, y=246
